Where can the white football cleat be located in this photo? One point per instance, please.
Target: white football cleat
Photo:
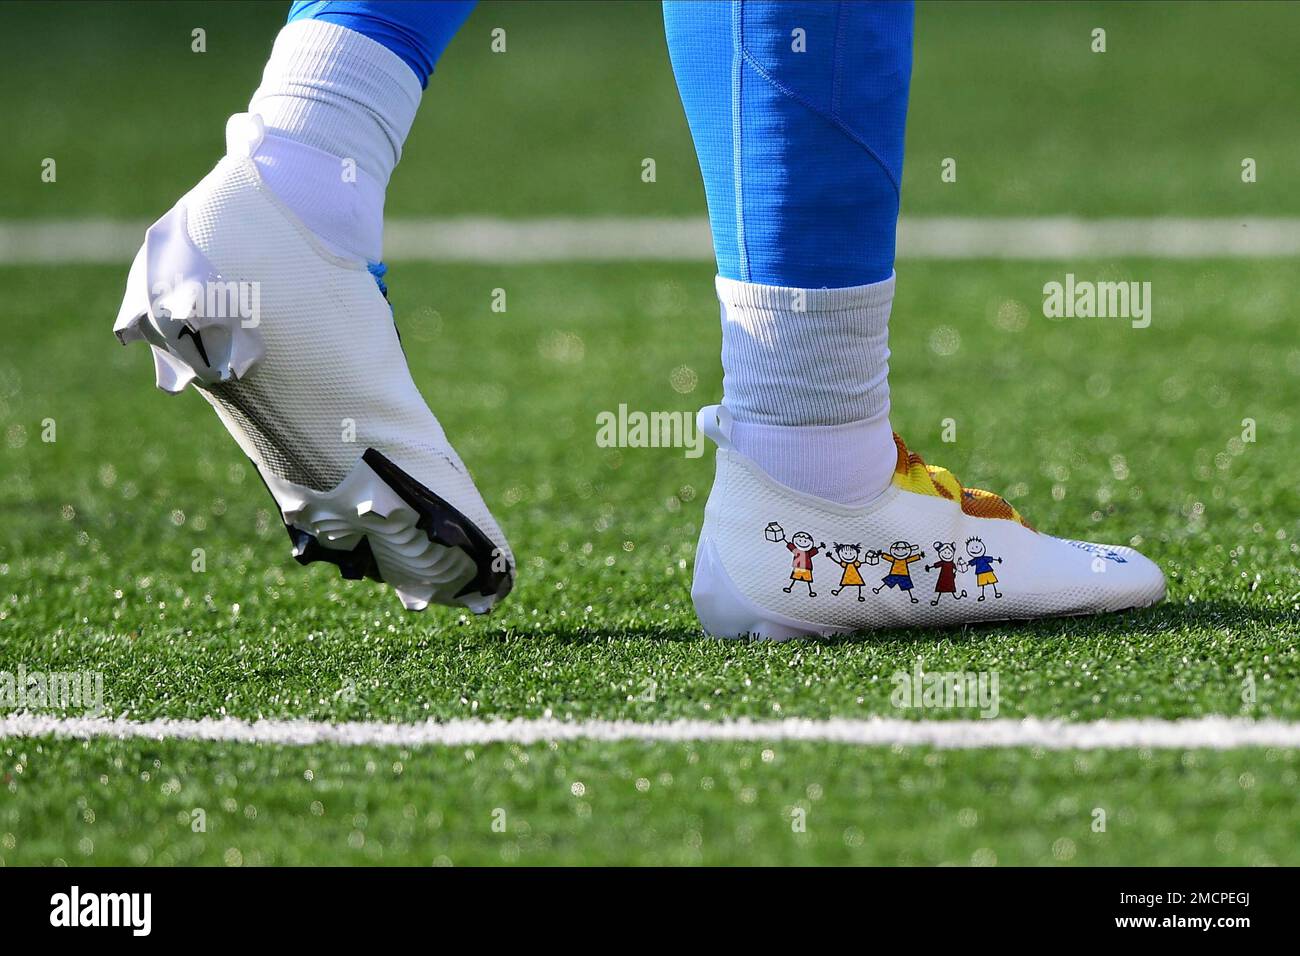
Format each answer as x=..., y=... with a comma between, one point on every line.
x=775, y=563
x=296, y=349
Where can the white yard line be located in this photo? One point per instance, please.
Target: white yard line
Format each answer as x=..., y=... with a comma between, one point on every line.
x=687, y=240
x=1215, y=733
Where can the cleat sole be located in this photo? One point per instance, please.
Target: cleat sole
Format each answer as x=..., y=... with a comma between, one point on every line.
x=382, y=524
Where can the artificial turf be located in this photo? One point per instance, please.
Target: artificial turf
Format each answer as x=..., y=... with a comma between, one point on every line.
x=138, y=803
x=1096, y=430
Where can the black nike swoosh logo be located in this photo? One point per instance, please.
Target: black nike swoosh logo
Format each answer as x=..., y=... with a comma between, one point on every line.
x=198, y=342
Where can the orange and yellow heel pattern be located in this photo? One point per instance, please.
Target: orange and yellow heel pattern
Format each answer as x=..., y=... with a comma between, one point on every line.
x=912, y=474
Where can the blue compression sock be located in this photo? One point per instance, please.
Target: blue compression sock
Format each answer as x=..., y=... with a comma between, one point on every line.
x=797, y=111
x=418, y=32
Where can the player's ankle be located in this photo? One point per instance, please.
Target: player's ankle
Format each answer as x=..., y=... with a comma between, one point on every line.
x=336, y=107
x=849, y=464
x=341, y=92
x=341, y=204
x=807, y=383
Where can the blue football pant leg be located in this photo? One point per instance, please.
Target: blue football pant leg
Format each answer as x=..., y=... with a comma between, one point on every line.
x=797, y=111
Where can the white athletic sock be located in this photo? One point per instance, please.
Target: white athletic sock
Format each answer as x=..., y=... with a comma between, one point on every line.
x=337, y=107
x=806, y=379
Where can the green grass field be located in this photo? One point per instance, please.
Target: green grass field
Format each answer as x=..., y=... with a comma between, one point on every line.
x=1094, y=429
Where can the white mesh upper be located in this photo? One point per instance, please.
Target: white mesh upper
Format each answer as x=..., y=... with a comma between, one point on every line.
x=333, y=364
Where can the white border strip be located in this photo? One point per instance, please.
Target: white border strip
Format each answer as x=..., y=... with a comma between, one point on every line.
x=687, y=240
x=1215, y=733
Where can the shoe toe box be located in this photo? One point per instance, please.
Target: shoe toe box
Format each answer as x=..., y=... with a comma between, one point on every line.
x=1128, y=578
